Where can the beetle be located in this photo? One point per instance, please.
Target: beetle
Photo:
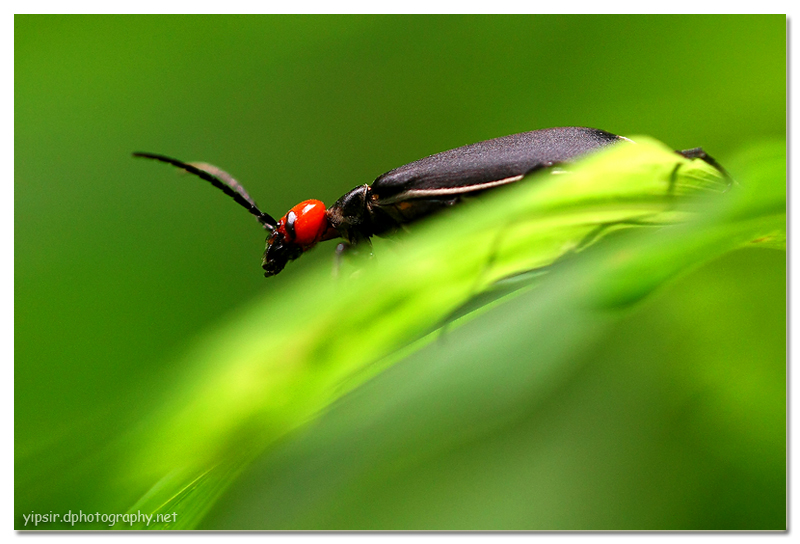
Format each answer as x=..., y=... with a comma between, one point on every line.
x=413, y=191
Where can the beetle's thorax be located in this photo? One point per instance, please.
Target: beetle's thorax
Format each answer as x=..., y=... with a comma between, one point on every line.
x=351, y=215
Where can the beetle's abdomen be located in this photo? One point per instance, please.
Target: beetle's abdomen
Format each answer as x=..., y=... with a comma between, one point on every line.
x=491, y=160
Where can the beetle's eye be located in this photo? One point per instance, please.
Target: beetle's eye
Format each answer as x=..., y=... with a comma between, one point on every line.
x=308, y=221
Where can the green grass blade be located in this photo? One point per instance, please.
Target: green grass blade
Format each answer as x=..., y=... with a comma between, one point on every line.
x=290, y=356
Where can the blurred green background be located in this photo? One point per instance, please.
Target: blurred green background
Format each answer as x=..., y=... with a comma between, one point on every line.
x=121, y=265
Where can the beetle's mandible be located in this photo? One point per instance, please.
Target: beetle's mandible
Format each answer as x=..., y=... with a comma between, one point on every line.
x=413, y=191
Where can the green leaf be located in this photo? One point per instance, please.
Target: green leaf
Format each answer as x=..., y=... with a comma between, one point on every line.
x=283, y=361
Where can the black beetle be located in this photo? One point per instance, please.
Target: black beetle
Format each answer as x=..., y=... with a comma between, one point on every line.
x=413, y=191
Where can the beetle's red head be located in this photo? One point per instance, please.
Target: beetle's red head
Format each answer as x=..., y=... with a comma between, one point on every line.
x=297, y=231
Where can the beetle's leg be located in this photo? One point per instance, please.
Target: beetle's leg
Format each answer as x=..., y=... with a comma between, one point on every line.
x=475, y=291
x=673, y=179
x=524, y=278
x=341, y=248
x=348, y=248
x=495, y=248
x=698, y=153
x=601, y=230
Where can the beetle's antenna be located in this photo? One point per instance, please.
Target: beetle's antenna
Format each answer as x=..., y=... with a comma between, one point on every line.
x=699, y=153
x=221, y=180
